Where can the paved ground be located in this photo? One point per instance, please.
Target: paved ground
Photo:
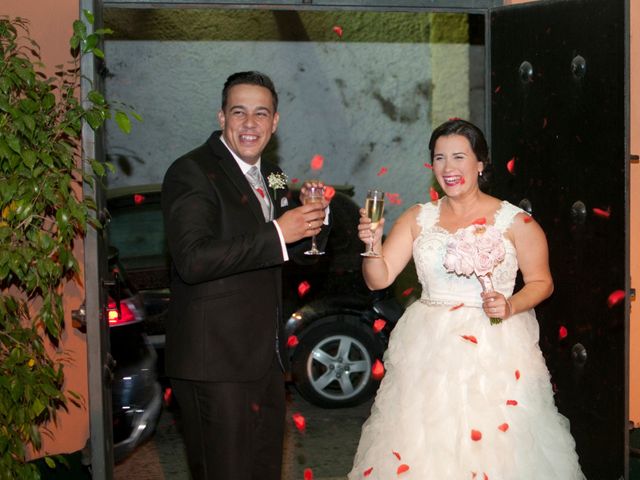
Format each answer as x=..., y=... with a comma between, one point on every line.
x=326, y=447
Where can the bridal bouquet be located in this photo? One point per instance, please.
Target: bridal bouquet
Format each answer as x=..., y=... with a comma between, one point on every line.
x=476, y=249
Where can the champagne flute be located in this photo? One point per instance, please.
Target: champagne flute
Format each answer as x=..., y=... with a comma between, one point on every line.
x=314, y=195
x=374, y=206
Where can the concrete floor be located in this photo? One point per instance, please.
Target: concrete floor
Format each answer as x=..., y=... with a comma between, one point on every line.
x=326, y=447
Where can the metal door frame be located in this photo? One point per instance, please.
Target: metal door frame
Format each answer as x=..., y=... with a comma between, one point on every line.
x=92, y=143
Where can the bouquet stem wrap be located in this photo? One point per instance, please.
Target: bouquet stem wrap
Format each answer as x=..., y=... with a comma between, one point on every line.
x=487, y=286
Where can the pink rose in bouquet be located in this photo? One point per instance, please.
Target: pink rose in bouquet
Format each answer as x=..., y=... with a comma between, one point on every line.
x=476, y=249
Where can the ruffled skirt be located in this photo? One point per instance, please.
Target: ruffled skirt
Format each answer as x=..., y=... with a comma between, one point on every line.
x=464, y=399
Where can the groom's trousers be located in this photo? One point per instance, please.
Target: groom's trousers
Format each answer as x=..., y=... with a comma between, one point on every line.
x=233, y=430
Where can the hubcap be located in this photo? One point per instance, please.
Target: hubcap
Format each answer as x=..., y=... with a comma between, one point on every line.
x=339, y=367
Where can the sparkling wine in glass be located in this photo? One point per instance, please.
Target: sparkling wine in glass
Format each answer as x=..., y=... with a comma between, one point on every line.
x=314, y=195
x=374, y=207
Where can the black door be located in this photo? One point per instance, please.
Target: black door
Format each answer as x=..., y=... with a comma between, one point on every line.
x=559, y=137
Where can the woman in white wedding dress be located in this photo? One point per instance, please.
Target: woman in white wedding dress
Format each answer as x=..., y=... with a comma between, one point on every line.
x=463, y=398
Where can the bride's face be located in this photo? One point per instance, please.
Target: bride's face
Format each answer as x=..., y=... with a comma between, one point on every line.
x=455, y=165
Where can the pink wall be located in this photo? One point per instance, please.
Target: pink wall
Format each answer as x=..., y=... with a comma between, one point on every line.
x=51, y=26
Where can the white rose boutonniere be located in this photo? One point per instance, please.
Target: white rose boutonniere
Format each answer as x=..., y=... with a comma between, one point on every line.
x=277, y=181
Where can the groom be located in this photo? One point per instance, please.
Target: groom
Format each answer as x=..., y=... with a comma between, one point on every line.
x=228, y=234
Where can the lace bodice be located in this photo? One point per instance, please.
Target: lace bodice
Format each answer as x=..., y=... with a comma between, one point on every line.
x=439, y=286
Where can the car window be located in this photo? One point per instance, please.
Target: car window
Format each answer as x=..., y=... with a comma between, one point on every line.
x=137, y=233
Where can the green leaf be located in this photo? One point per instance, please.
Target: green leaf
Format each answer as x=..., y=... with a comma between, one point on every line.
x=29, y=157
x=96, y=97
x=91, y=42
x=137, y=116
x=123, y=121
x=50, y=463
x=104, y=31
x=14, y=143
x=29, y=122
x=74, y=41
x=79, y=28
x=98, y=53
x=98, y=168
x=88, y=15
x=93, y=118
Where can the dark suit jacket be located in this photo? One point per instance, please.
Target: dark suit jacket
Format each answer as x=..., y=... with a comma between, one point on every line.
x=226, y=299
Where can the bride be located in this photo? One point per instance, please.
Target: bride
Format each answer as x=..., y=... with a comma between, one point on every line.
x=466, y=393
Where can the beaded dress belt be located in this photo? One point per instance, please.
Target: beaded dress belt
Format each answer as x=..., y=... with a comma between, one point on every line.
x=451, y=303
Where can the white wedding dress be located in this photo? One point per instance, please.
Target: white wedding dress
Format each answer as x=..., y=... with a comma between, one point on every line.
x=461, y=398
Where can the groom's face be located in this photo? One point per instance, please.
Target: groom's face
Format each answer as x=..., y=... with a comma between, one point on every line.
x=248, y=120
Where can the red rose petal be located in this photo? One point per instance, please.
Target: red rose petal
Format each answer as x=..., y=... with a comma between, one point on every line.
x=407, y=292
x=292, y=341
x=317, y=162
x=602, y=213
x=329, y=192
x=528, y=219
x=138, y=199
x=511, y=164
x=378, y=325
x=485, y=476
x=308, y=474
x=299, y=421
x=402, y=468
x=397, y=455
x=562, y=332
x=462, y=181
x=470, y=338
x=504, y=427
x=517, y=374
x=615, y=297
x=167, y=396
x=434, y=195
x=456, y=307
x=255, y=407
x=512, y=403
x=303, y=288
x=476, y=435
x=429, y=166
x=377, y=371
x=337, y=30
x=295, y=180
x=367, y=472
x=260, y=191
x=382, y=171
x=394, y=198
x=451, y=119
x=497, y=89
x=479, y=221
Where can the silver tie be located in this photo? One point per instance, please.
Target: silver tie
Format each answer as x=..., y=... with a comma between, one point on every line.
x=255, y=179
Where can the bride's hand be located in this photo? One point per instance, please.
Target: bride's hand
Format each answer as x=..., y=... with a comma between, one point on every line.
x=495, y=305
x=364, y=228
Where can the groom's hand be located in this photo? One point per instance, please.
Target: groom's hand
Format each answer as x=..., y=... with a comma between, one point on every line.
x=301, y=222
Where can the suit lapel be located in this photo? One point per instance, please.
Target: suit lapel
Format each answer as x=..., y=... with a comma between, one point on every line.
x=235, y=175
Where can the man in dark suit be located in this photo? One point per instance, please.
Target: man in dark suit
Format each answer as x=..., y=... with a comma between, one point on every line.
x=228, y=234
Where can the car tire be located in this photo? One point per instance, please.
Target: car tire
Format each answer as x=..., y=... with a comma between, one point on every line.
x=321, y=372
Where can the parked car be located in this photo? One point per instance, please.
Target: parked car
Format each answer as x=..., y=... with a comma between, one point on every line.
x=136, y=394
x=330, y=311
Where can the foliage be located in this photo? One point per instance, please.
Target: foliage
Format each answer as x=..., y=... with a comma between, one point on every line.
x=42, y=213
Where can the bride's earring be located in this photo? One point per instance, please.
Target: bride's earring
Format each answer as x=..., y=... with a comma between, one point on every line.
x=480, y=173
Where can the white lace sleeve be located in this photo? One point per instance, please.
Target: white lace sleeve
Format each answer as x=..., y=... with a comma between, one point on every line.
x=507, y=215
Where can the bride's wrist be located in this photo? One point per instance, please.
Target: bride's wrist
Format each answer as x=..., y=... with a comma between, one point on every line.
x=510, y=308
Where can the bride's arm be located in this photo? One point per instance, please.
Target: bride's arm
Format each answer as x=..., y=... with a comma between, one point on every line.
x=380, y=272
x=533, y=260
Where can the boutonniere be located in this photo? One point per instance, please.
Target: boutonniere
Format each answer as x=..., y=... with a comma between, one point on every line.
x=277, y=181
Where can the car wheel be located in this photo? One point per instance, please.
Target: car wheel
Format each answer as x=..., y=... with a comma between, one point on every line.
x=332, y=363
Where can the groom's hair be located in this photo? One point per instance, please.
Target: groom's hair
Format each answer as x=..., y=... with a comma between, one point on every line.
x=249, y=78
